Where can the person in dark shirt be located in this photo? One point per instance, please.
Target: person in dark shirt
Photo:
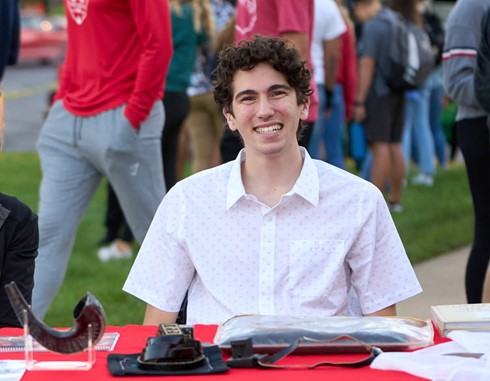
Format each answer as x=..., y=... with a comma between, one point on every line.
x=9, y=33
x=19, y=240
x=19, y=236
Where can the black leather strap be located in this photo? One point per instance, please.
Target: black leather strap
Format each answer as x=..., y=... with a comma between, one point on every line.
x=243, y=356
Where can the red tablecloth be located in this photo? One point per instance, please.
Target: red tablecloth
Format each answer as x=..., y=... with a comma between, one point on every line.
x=133, y=339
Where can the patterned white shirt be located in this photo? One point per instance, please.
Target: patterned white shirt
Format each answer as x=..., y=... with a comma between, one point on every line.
x=332, y=234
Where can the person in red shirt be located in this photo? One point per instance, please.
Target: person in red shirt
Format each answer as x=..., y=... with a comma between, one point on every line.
x=347, y=65
x=289, y=19
x=106, y=121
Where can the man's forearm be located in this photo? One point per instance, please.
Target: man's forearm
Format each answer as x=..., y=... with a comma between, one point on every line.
x=366, y=74
x=388, y=311
x=331, y=55
x=300, y=42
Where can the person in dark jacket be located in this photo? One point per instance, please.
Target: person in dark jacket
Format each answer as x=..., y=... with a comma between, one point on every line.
x=19, y=240
x=9, y=33
x=459, y=63
x=482, y=70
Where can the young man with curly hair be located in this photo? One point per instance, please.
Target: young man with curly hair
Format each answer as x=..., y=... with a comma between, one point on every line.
x=273, y=232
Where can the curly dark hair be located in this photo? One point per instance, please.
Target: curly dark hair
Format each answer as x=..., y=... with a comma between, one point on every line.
x=247, y=54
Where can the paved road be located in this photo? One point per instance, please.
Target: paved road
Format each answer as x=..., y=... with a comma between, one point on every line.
x=26, y=88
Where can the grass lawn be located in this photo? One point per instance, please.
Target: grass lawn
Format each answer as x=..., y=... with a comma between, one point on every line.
x=435, y=220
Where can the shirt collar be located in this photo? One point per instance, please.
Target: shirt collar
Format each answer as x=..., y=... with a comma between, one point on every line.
x=236, y=190
x=307, y=185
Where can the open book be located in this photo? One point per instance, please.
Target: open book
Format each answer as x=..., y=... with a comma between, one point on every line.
x=470, y=317
x=16, y=343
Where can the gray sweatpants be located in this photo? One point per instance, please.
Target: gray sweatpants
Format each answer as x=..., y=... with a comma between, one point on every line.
x=76, y=153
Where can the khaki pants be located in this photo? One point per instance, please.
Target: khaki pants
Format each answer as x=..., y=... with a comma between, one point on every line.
x=205, y=124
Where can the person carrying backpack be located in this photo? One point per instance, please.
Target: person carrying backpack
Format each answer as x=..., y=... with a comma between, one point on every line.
x=436, y=31
x=379, y=105
x=417, y=140
x=481, y=81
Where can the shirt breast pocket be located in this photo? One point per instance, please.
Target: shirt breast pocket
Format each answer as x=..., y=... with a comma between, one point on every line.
x=315, y=266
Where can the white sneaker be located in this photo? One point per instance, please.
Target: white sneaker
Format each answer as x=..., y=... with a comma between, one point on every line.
x=395, y=207
x=423, y=179
x=116, y=250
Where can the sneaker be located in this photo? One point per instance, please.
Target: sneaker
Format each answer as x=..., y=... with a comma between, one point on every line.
x=395, y=207
x=423, y=179
x=117, y=250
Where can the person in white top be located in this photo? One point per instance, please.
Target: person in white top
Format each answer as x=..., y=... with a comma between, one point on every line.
x=273, y=232
x=325, y=49
x=325, y=52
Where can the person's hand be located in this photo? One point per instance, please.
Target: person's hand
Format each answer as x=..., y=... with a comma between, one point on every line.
x=445, y=101
x=359, y=112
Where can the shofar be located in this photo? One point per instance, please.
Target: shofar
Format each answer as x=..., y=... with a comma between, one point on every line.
x=87, y=312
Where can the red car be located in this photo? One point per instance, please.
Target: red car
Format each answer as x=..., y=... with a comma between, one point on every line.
x=42, y=38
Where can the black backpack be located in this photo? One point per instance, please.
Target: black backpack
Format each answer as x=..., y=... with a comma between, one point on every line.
x=435, y=29
x=410, y=53
x=482, y=71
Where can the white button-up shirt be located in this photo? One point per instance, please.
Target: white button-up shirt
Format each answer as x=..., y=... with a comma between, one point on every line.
x=332, y=235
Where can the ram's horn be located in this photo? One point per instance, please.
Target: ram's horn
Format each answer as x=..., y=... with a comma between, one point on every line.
x=87, y=312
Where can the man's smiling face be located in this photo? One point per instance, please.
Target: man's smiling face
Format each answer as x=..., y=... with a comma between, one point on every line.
x=265, y=111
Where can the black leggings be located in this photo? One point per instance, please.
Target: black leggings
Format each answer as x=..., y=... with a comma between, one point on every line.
x=115, y=222
x=177, y=106
x=474, y=142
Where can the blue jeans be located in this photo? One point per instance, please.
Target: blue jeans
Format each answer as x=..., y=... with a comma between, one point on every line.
x=436, y=93
x=365, y=172
x=329, y=130
x=417, y=139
